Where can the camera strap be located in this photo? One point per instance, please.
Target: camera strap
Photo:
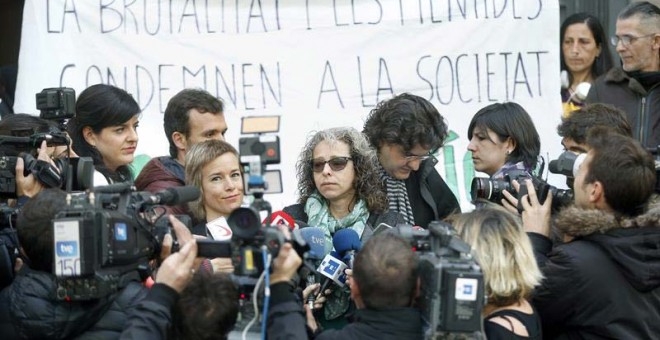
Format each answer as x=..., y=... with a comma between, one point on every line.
x=47, y=174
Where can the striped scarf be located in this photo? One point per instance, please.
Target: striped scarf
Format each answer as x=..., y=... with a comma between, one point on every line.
x=397, y=195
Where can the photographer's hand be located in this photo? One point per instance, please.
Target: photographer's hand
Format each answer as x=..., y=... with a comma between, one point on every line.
x=29, y=185
x=535, y=216
x=285, y=265
x=178, y=269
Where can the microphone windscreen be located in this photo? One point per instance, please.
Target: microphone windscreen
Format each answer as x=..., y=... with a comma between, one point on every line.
x=178, y=195
x=280, y=218
x=315, y=238
x=346, y=239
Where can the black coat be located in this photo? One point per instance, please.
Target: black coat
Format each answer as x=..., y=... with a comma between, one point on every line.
x=29, y=309
x=642, y=107
x=605, y=283
x=429, y=195
x=286, y=320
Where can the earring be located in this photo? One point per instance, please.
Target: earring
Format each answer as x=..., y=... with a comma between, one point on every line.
x=508, y=152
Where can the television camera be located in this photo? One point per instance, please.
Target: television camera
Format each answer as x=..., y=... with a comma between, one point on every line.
x=452, y=284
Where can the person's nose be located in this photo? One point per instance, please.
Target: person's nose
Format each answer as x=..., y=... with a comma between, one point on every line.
x=575, y=48
x=230, y=185
x=414, y=164
x=472, y=145
x=133, y=135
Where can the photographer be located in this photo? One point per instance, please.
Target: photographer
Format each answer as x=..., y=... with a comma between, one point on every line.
x=105, y=129
x=30, y=308
x=384, y=286
x=604, y=280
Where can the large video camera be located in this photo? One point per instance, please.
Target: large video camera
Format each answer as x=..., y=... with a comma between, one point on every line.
x=492, y=189
x=452, y=284
x=104, y=235
x=71, y=174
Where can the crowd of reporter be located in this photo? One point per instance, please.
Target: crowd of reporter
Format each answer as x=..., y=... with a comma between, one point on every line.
x=588, y=267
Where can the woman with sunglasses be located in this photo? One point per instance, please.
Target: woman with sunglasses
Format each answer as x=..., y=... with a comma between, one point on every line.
x=339, y=187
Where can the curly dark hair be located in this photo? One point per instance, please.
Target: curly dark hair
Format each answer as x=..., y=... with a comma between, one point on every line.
x=368, y=185
x=407, y=120
x=577, y=125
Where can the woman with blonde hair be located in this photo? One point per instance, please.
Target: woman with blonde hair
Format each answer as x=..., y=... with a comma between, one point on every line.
x=505, y=254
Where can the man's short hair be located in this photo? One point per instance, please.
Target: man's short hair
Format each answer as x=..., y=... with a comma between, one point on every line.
x=386, y=272
x=625, y=169
x=407, y=120
x=35, y=230
x=207, y=308
x=644, y=9
x=581, y=120
x=177, y=113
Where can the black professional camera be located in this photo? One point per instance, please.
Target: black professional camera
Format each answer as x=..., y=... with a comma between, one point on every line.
x=250, y=238
x=492, y=189
x=452, y=284
x=71, y=174
x=57, y=103
x=105, y=235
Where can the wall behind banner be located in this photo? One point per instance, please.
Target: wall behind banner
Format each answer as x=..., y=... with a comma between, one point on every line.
x=318, y=63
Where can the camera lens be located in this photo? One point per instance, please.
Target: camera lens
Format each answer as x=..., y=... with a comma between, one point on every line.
x=244, y=223
x=481, y=188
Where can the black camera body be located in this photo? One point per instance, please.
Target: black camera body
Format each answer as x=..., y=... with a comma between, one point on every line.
x=452, y=284
x=56, y=103
x=493, y=189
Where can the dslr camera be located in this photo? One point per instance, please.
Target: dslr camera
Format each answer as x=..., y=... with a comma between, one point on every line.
x=452, y=284
x=492, y=189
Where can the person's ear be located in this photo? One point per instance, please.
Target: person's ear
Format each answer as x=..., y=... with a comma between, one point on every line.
x=355, y=293
x=596, y=192
x=179, y=140
x=89, y=135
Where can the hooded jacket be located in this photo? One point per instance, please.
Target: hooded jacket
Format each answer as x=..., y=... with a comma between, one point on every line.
x=642, y=107
x=605, y=283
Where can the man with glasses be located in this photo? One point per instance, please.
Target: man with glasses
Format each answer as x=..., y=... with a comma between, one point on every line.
x=405, y=131
x=635, y=86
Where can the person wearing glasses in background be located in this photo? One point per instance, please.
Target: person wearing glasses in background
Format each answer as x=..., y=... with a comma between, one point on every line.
x=634, y=87
x=405, y=131
x=339, y=187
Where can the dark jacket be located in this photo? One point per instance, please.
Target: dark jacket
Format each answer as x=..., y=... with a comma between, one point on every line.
x=159, y=174
x=642, y=107
x=29, y=309
x=430, y=197
x=605, y=283
x=286, y=320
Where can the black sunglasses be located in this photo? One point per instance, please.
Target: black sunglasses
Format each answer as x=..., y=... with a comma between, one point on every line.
x=336, y=164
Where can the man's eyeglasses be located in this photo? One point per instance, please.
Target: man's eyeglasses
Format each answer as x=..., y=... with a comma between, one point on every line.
x=627, y=39
x=412, y=158
x=336, y=164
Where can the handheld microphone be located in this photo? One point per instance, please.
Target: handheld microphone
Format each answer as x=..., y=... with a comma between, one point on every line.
x=280, y=218
x=333, y=270
x=315, y=238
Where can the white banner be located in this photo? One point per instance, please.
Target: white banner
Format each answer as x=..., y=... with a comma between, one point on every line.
x=318, y=64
